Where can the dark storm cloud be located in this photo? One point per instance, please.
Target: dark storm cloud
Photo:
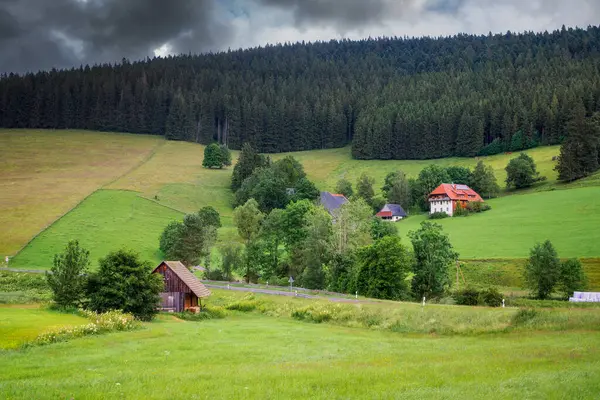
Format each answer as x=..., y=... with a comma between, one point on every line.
x=347, y=13
x=39, y=34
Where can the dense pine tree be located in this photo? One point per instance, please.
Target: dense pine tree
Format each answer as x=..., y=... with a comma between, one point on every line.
x=393, y=98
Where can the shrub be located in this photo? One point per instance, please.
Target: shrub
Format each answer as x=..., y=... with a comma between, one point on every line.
x=124, y=282
x=438, y=215
x=246, y=304
x=312, y=314
x=467, y=297
x=477, y=207
x=491, y=297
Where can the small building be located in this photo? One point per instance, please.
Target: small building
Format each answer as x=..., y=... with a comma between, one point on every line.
x=448, y=196
x=183, y=291
x=392, y=212
x=332, y=202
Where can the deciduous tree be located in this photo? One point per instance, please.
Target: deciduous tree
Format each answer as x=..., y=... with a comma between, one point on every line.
x=542, y=270
x=67, y=278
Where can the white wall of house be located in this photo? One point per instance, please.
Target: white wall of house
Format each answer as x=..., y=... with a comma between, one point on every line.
x=441, y=206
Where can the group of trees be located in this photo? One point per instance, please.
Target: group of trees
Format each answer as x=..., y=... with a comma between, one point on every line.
x=351, y=252
x=122, y=282
x=271, y=184
x=402, y=98
x=544, y=273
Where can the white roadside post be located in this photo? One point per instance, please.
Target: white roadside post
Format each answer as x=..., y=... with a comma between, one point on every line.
x=423, y=301
x=291, y=281
x=356, y=295
x=502, y=303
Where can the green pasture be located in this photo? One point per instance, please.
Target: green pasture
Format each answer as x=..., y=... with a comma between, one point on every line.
x=568, y=218
x=254, y=356
x=106, y=221
x=20, y=324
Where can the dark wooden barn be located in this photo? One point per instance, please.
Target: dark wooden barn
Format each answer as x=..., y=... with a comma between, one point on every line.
x=182, y=289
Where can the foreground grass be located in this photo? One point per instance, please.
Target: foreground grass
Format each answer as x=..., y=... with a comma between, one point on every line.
x=19, y=324
x=43, y=174
x=260, y=357
x=106, y=221
x=566, y=217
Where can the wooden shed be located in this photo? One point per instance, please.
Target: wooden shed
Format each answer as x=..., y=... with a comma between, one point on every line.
x=182, y=289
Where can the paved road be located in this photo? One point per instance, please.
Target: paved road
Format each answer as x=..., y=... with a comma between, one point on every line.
x=241, y=289
x=288, y=294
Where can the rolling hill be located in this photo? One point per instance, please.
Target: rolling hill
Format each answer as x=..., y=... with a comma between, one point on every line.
x=131, y=186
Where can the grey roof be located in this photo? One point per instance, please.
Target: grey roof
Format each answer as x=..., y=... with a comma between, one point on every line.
x=396, y=209
x=332, y=202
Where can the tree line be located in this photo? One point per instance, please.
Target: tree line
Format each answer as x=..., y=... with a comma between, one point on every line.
x=393, y=98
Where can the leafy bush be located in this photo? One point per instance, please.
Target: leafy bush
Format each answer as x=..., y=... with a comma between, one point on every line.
x=312, y=314
x=473, y=297
x=208, y=312
x=438, y=215
x=491, y=297
x=477, y=207
x=467, y=297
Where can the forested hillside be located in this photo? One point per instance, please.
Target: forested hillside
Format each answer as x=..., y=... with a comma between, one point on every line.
x=393, y=98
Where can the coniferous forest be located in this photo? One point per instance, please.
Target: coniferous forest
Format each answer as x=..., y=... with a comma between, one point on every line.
x=392, y=98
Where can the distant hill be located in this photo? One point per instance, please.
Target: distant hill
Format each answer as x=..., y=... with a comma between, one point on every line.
x=392, y=98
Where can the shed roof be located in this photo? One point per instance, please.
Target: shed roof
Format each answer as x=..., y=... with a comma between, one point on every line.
x=187, y=277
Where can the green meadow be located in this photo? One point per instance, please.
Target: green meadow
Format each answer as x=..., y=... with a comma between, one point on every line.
x=106, y=221
x=515, y=223
x=257, y=356
x=20, y=324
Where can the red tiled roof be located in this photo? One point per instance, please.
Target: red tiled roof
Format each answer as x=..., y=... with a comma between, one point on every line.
x=456, y=192
x=384, y=214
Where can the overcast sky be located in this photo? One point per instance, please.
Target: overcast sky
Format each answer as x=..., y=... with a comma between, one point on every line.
x=41, y=34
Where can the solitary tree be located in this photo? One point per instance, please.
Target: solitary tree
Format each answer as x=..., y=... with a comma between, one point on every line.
x=248, y=219
x=124, y=282
x=67, y=276
x=434, y=256
x=344, y=187
x=521, y=172
x=213, y=156
x=542, y=270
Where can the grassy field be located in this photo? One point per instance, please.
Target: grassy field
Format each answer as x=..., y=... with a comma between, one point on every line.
x=253, y=356
x=19, y=324
x=515, y=223
x=43, y=174
x=106, y=221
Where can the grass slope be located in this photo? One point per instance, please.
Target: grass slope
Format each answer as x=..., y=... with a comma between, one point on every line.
x=43, y=174
x=106, y=221
x=569, y=218
x=259, y=357
x=20, y=324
